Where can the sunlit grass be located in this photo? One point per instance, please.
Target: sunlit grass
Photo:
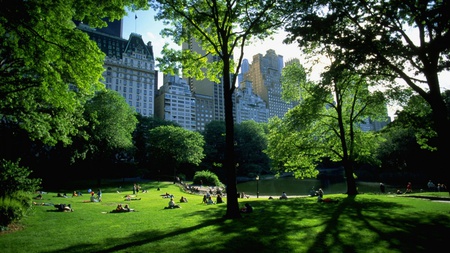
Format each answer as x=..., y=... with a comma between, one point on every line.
x=365, y=223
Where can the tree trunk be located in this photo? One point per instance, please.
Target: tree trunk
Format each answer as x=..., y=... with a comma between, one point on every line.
x=442, y=126
x=351, y=183
x=229, y=164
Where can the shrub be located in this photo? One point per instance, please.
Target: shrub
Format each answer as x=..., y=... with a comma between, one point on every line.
x=13, y=208
x=206, y=177
x=14, y=178
x=15, y=191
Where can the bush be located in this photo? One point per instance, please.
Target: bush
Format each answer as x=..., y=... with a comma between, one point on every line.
x=206, y=177
x=14, y=178
x=15, y=191
x=13, y=208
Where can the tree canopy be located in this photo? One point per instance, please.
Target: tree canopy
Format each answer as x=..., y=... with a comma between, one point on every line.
x=47, y=67
x=325, y=123
x=402, y=39
x=173, y=146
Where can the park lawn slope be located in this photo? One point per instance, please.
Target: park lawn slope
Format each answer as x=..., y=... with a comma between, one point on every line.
x=365, y=223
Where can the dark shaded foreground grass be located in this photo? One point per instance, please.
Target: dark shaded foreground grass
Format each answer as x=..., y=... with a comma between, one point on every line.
x=365, y=223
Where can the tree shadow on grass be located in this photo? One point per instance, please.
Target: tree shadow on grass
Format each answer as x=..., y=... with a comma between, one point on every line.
x=411, y=232
x=295, y=225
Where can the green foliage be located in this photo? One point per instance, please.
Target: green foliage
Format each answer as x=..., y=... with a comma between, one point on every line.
x=284, y=147
x=48, y=69
x=175, y=145
x=111, y=121
x=14, y=207
x=141, y=137
x=15, y=190
x=214, y=136
x=293, y=78
x=417, y=115
x=219, y=28
x=251, y=140
x=325, y=123
x=383, y=40
x=411, y=138
x=207, y=178
x=14, y=178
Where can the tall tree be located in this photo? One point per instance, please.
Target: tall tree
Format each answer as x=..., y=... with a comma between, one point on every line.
x=174, y=145
x=220, y=27
x=109, y=132
x=214, y=135
x=251, y=140
x=48, y=69
x=141, y=139
x=325, y=123
x=404, y=39
x=411, y=139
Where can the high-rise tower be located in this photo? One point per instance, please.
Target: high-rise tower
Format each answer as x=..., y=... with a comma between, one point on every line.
x=265, y=75
x=208, y=94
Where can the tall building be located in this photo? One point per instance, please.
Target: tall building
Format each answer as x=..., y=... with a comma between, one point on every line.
x=374, y=125
x=249, y=106
x=174, y=102
x=208, y=95
x=265, y=75
x=129, y=67
x=245, y=66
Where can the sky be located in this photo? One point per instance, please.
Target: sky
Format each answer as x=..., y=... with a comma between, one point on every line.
x=146, y=26
x=143, y=23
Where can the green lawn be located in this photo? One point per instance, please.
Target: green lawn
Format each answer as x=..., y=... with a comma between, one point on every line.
x=365, y=223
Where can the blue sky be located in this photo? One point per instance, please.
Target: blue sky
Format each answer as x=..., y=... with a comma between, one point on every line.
x=146, y=26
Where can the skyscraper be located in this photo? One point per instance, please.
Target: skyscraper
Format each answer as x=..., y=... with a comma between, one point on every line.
x=175, y=102
x=129, y=68
x=249, y=106
x=265, y=75
x=208, y=94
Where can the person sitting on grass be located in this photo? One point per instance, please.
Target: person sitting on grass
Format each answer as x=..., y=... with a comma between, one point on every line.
x=91, y=199
x=122, y=209
x=210, y=201
x=247, y=208
x=183, y=199
x=320, y=195
x=172, y=205
x=219, y=199
x=284, y=196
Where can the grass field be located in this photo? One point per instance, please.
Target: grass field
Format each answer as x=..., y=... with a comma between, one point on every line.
x=365, y=223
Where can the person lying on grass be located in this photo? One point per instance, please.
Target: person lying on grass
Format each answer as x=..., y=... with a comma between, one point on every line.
x=167, y=195
x=129, y=198
x=42, y=204
x=247, y=208
x=64, y=208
